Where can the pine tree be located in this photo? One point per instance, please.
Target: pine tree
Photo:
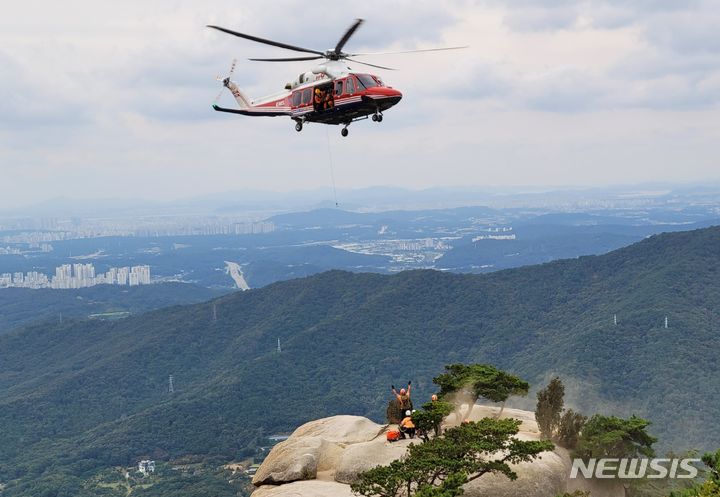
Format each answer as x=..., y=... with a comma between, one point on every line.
x=549, y=407
x=571, y=425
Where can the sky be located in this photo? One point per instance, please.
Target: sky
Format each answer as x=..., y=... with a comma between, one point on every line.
x=106, y=99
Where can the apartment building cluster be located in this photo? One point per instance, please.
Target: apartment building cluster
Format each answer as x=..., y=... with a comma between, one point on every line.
x=70, y=276
x=205, y=228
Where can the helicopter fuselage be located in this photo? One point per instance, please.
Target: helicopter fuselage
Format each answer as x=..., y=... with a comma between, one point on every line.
x=323, y=99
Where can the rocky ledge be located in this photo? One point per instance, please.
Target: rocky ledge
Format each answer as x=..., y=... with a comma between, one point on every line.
x=322, y=458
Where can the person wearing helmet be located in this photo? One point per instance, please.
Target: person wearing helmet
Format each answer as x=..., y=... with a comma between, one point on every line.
x=434, y=397
x=407, y=427
x=403, y=397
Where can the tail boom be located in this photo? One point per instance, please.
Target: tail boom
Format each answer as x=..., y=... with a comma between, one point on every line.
x=269, y=108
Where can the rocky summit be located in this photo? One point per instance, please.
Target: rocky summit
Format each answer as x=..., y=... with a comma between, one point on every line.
x=323, y=457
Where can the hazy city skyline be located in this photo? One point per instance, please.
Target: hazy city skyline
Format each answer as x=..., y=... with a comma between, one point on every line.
x=77, y=275
x=550, y=93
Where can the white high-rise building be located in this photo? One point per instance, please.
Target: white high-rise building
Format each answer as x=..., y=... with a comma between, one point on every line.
x=122, y=275
x=63, y=272
x=84, y=274
x=141, y=275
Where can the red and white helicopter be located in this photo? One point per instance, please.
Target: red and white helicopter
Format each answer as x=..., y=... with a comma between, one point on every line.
x=330, y=93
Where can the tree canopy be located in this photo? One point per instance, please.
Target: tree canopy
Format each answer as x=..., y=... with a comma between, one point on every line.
x=429, y=420
x=482, y=380
x=549, y=407
x=441, y=465
x=610, y=436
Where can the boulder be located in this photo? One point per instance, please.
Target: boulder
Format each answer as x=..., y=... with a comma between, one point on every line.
x=341, y=429
x=544, y=477
x=529, y=428
x=364, y=456
x=312, y=488
x=291, y=460
x=314, y=447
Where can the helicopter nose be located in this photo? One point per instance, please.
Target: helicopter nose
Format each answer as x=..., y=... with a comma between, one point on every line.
x=396, y=95
x=389, y=96
x=385, y=91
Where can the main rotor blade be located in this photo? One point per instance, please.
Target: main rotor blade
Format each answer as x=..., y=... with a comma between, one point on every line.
x=347, y=35
x=371, y=65
x=410, y=51
x=289, y=59
x=267, y=42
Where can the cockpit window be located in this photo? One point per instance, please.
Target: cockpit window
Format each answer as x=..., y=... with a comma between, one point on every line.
x=366, y=80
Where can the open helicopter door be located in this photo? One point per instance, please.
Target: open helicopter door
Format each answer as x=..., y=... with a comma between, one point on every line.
x=323, y=97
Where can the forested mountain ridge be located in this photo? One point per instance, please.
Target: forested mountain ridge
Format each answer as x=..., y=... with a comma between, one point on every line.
x=22, y=306
x=83, y=394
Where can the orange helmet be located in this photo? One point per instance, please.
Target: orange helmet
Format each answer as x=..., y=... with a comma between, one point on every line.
x=402, y=391
x=434, y=397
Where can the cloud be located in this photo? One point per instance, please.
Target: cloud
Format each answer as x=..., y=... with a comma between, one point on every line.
x=542, y=18
x=561, y=91
x=687, y=32
x=565, y=90
x=26, y=101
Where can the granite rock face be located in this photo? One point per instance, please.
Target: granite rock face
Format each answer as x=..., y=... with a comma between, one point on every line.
x=315, y=447
x=361, y=457
x=310, y=488
x=323, y=457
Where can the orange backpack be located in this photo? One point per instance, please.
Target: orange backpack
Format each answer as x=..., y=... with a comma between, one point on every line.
x=393, y=436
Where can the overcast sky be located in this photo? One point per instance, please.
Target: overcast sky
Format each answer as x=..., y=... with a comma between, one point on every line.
x=112, y=99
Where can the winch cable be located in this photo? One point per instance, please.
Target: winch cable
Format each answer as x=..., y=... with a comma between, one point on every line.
x=332, y=170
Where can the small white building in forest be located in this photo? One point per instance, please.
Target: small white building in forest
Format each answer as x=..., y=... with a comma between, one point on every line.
x=146, y=467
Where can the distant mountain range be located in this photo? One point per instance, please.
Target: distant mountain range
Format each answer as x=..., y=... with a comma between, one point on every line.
x=376, y=198
x=81, y=395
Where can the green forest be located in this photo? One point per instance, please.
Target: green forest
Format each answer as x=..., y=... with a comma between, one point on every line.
x=21, y=306
x=83, y=395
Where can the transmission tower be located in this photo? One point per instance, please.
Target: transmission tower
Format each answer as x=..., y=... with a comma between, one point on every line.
x=214, y=312
x=279, y=349
x=171, y=387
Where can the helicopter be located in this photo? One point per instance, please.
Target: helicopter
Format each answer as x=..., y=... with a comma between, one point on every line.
x=330, y=93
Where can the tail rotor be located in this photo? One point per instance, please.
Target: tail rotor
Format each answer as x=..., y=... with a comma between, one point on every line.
x=225, y=80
